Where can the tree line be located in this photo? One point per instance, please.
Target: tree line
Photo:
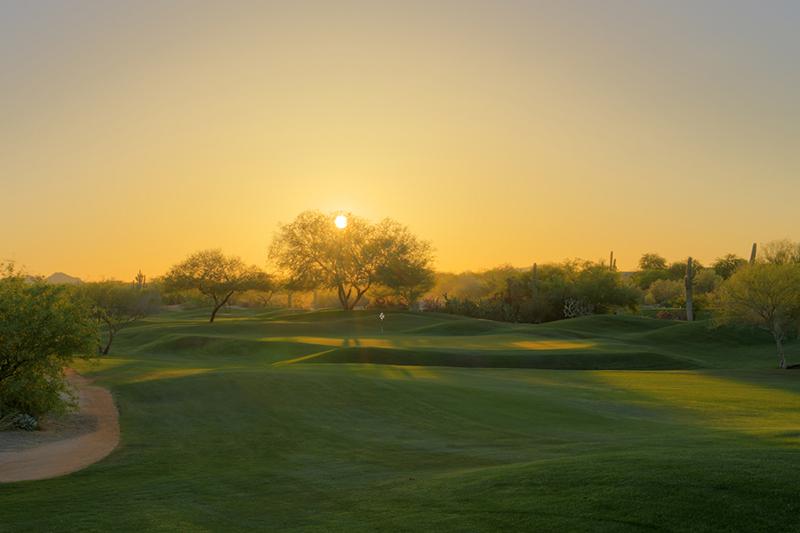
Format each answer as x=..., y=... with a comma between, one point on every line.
x=43, y=326
x=312, y=254
x=763, y=291
x=394, y=267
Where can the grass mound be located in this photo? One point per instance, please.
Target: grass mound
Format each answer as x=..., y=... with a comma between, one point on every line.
x=469, y=326
x=522, y=359
x=439, y=424
x=593, y=342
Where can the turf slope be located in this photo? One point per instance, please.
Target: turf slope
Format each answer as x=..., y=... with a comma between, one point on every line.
x=285, y=421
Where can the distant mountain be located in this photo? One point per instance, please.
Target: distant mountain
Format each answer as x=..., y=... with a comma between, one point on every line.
x=59, y=278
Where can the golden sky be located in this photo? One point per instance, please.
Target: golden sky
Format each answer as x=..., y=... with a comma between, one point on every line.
x=504, y=132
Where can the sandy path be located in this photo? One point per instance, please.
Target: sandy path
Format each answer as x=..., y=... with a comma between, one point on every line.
x=70, y=453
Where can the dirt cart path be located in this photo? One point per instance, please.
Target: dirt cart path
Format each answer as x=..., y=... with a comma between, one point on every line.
x=64, y=455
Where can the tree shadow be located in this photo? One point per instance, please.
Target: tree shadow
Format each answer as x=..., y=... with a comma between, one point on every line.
x=348, y=342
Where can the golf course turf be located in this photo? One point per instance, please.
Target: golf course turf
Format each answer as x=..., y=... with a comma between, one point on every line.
x=316, y=421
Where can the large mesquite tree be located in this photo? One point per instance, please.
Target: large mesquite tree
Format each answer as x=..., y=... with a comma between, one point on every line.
x=216, y=276
x=314, y=253
x=406, y=266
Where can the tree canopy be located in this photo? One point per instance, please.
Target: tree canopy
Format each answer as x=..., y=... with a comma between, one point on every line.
x=726, y=265
x=652, y=261
x=547, y=292
x=781, y=252
x=216, y=276
x=116, y=304
x=312, y=252
x=764, y=295
x=406, y=268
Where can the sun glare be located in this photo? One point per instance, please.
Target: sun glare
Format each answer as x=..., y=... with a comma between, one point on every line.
x=340, y=221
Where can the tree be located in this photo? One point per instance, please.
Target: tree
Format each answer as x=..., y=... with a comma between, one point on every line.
x=293, y=285
x=494, y=280
x=42, y=329
x=117, y=305
x=652, y=267
x=644, y=279
x=679, y=269
x=406, y=270
x=781, y=252
x=312, y=252
x=601, y=288
x=766, y=296
x=549, y=292
x=666, y=292
x=726, y=265
x=216, y=276
x=706, y=281
x=652, y=261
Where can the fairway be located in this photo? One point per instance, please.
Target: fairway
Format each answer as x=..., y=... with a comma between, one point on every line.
x=317, y=421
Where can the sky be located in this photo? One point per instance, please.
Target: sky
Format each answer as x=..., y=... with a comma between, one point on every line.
x=134, y=133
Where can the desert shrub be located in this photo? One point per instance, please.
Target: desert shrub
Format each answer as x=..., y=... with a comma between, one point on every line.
x=781, y=252
x=666, y=292
x=671, y=314
x=42, y=328
x=387, y=301
x=644, y=279
x=706, y=281
x=726, y=265
x=549, y=292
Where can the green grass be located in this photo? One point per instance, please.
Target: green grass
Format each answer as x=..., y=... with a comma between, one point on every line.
x=318, y=422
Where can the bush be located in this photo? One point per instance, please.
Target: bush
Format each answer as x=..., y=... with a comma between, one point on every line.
x=671, y=314
x=42, y=328
x=706, y=281
x=666, y=292
x=550, y=292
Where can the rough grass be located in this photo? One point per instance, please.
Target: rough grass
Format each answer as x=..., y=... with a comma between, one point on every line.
x=271, y=421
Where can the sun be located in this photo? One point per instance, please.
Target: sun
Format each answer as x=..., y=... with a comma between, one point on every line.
x=340, y=221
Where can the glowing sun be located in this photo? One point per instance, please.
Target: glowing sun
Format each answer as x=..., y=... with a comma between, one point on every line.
x=340, y=221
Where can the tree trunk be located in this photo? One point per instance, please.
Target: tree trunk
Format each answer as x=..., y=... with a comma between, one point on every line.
x=218, y=306
x=110, y=340
x=689, y=291
x=359, y=294
x=781, y=354
x=344, y=297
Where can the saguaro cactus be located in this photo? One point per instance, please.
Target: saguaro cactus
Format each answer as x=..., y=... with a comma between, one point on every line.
x=753, y=254
x=140, y=280
x=611, y=263
x=689, y=281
